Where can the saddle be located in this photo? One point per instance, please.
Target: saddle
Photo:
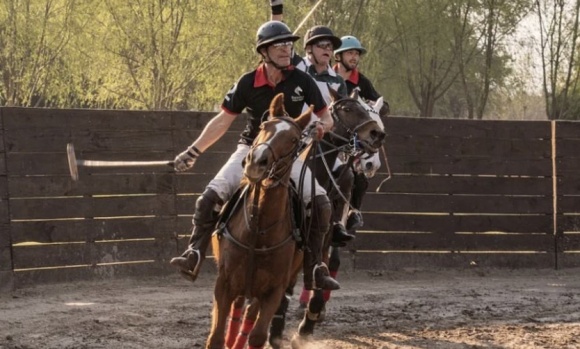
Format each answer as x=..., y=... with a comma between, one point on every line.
x=296, y=206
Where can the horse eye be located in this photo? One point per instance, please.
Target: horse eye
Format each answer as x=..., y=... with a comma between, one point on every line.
x=346, y=109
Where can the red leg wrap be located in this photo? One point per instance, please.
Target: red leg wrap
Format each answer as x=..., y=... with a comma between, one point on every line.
x=233, y=327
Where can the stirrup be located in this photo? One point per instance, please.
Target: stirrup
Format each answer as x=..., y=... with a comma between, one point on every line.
x=184, y=271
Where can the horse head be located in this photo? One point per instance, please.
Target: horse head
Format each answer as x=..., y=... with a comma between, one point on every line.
x=353, y=122
x=274, y=149
x=369, y=165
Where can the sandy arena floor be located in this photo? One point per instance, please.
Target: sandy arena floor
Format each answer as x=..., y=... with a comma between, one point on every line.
x=448, y=309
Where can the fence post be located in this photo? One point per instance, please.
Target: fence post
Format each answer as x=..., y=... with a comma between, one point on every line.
x=6, y=265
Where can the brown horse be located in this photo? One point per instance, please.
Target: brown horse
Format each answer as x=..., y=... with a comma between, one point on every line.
x=257, y=248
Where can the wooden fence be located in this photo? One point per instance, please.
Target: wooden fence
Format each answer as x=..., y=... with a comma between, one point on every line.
x=463, y=194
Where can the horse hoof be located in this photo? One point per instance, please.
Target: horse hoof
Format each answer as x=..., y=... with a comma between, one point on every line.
x=276, y=343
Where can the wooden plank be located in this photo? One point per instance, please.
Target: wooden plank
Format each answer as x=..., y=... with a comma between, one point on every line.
x=428, y=261
x=53, y=255
x=47, y=186
x=458, y=223
x=458, y=204
x=31, y=277
x=4, y=212
x=75, y=207
x=567, y=149
x=6, y=281
x=567, y=129
x=97, y=229
x=491, y=129
x=183, y=139
x=54, y=140
x=74, y=254
x=569, y=242
x=198, y=120
x=469, y=166
x=567, y=167
x=568, y=260
x=102, y=184
x=453, y=242
x=472, y=147
x=464, y=185
x=569, y=185
x=3, y=167
x=568, y=204
x=94, y=119
x=6, y=256
x=568, y=223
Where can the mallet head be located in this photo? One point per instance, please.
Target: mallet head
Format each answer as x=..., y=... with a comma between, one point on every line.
x=72, y=162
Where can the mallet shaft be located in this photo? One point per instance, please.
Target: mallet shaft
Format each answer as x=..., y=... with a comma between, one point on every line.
x=104, y=163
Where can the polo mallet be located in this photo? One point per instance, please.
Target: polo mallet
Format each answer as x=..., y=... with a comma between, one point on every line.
x=74, y=163
x=306, y=17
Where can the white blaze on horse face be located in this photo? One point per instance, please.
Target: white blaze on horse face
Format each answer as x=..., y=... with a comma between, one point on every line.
x=279, y=127
x=370, y=165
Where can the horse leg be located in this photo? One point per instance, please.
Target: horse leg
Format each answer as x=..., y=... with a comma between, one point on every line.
x=247, y=325
x=235, y=321
x=268, y=305
x=279, y=322
x=221, y=305
x=311, y=316
x=333, y=265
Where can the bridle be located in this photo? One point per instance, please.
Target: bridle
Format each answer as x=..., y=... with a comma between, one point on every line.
x=351, y=145
x=281, y=164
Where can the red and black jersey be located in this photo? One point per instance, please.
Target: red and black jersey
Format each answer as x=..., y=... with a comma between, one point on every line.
x=365, y=88
x=254, y=93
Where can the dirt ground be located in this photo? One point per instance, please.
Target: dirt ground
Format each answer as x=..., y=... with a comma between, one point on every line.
x=473, y=308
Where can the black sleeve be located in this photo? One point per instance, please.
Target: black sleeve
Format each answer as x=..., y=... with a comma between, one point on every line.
x=367, y=90
x=235, y=100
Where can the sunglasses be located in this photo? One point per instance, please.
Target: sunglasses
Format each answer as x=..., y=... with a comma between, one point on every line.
x=281, y=44
x=324, y=44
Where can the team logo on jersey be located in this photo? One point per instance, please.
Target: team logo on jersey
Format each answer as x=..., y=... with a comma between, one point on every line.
x=298, y=95
x=231, y=92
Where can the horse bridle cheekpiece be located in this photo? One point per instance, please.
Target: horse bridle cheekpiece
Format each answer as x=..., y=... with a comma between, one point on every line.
x=353, y=140
x=291, y=155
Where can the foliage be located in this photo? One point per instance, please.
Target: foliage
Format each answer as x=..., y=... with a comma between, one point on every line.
x=444, y=58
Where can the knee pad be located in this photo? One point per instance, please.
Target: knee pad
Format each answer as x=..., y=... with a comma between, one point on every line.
x=321, y=211
x=205, y=207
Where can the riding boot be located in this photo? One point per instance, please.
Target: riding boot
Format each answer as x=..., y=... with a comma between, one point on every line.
x=361, y=184
x=345, y=178
x=316, y=274
x=204, y=222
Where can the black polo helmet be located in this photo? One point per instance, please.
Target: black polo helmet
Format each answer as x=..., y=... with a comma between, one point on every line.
x=271, y=32
x=321, y=32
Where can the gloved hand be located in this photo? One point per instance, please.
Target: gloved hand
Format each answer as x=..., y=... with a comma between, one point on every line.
x=186, y=159
x=277, y=7
x=317, y=131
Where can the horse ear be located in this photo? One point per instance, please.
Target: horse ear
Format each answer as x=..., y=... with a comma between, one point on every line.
x=378, y=104
x=277, y=105
x=334, y=95
x=305, y=117
x=354, y=94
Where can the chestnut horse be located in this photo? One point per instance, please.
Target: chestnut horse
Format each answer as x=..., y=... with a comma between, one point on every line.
x=256, y=247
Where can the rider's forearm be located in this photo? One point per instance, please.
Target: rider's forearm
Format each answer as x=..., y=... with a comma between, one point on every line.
x=214, y=130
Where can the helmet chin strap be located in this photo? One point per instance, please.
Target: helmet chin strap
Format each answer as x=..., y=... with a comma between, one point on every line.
x=268, y=59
